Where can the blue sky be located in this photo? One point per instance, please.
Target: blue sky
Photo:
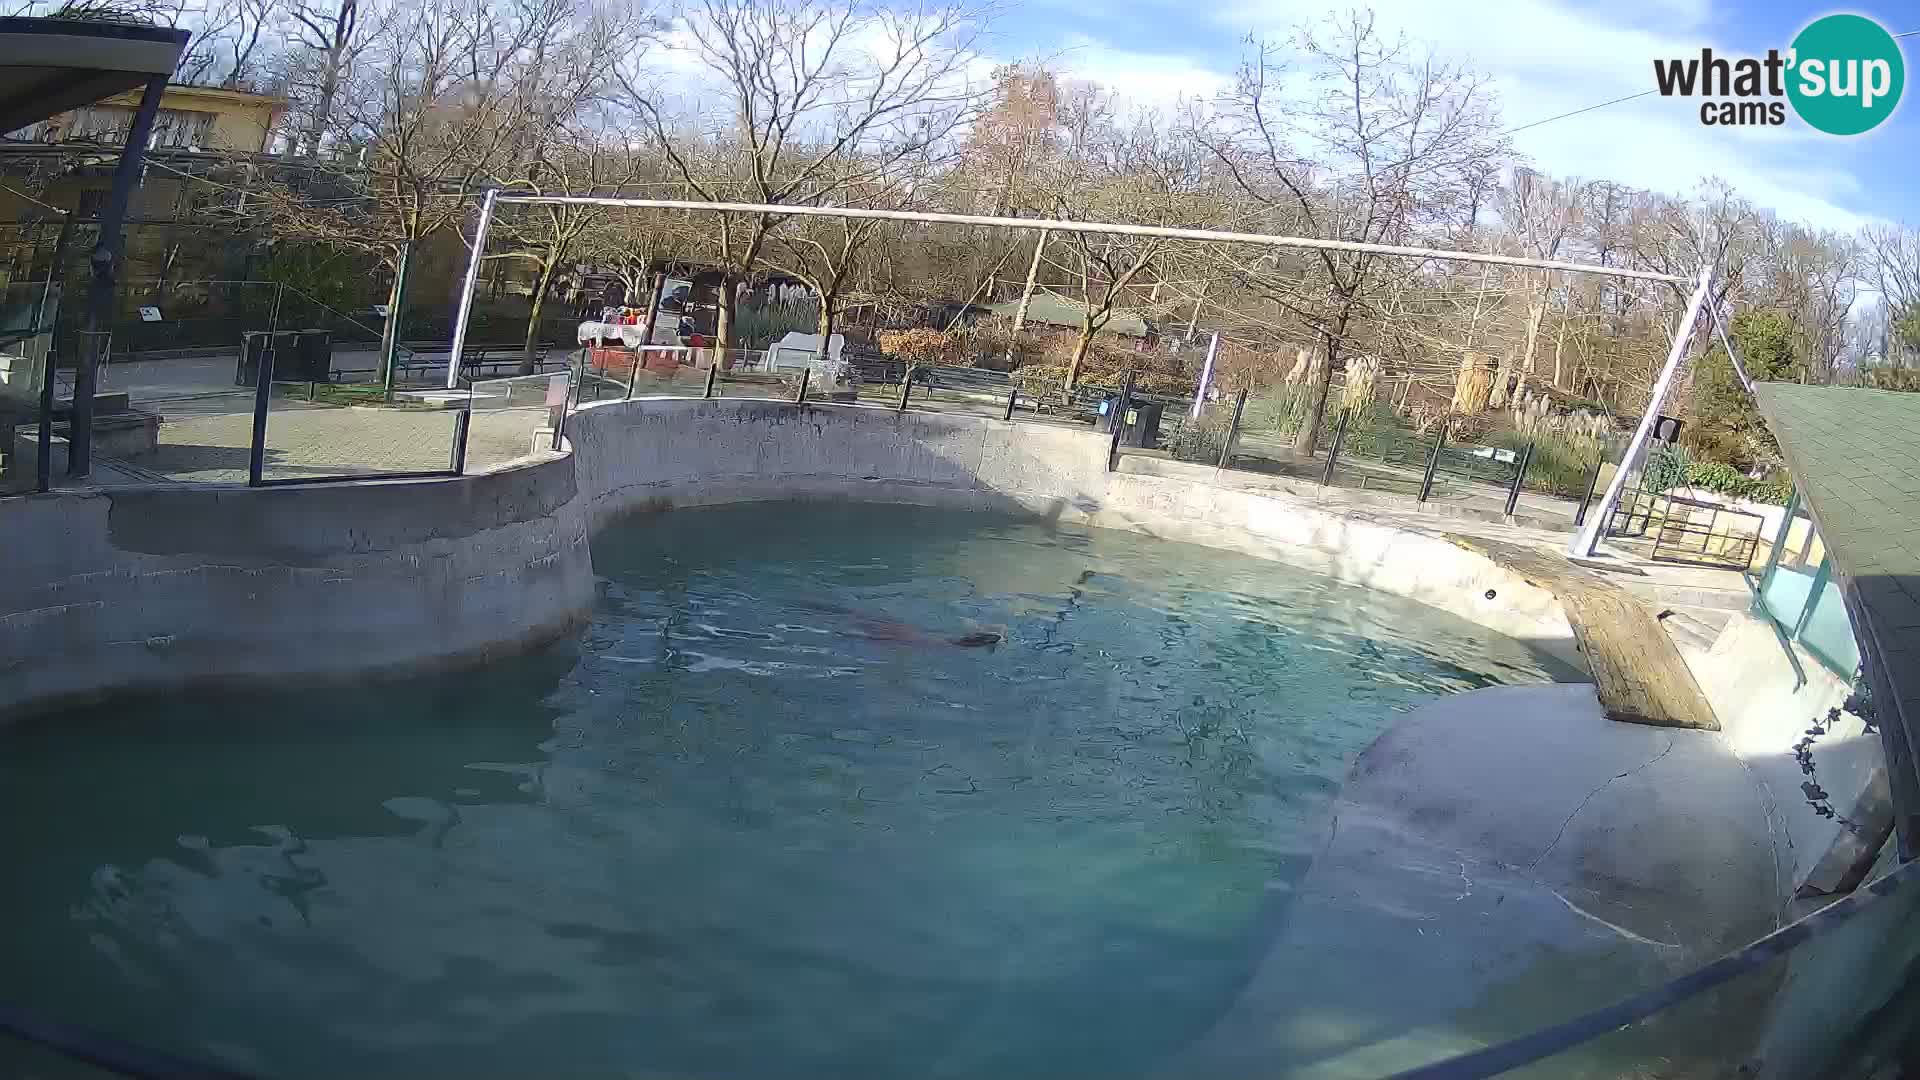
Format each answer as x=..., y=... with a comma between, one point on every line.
x=1546, y=57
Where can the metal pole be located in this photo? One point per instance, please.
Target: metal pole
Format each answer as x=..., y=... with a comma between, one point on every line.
x=1519, y=477
x=1333, y=452
x=646, y=331
x=391, y=336
x=262, y=395
x=800, y=398
x=1233, y=430
x=1012, y=396
x=466, y=292
x=1433, y=461
x=1119, y=421
x=56, y=274
x=711, y=373
x=1593, y=481
x=1206, y=375
x=906, y=388
x=106, y=264
x=1103, y=227
x=1588, y=538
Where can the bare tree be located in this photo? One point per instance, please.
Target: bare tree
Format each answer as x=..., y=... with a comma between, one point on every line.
x=810, y=85
x=1375, y=158
x=330, y=32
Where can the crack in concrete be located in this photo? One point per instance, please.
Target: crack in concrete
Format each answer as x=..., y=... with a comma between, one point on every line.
x=1590, y=795
x=1615, y=927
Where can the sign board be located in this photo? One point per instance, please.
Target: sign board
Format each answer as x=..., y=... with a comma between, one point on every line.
x=381, y=310
x=149, y=314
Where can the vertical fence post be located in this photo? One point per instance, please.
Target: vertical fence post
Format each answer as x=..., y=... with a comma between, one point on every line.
x=262, y=394
x=712, y=373
x=1433, y=461
x=906, y=387
x=1519, y=477
x=1333, y=452
x=1012, y=396
x=800, y=397
x=461, y=420
x=56, y=276
x=1233, y=430
x=1119, y=421
x=1593, y=481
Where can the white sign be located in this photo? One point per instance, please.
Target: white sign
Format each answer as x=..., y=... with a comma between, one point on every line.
x=149, y=314
x=381, y=310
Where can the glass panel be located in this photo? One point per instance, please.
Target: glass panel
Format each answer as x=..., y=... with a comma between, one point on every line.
x=1827, y=633
x=512, y=418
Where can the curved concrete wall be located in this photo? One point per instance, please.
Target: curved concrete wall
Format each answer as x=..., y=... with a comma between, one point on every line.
x=166, y=586
x=663, y=453
x=157, y=588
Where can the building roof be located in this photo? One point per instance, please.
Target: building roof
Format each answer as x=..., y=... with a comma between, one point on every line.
x=1855, y=458
x=49, y=66
x=1060, y=311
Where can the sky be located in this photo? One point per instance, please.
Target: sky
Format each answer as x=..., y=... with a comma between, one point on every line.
x=1545, y=57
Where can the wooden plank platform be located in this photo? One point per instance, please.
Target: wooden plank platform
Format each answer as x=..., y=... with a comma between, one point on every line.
x=1638, y=673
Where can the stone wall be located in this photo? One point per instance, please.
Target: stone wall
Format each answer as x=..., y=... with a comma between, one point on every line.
x=160, y=587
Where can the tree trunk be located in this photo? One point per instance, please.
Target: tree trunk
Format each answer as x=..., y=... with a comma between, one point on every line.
x=541, y=282
x=1536, y=312
x=1559, y=352
x=1321, y=383
x=1026, y=297
x=1079, y=353
x=1502, y=377
x=396, y=308
x=723, y=322
x=824, y=326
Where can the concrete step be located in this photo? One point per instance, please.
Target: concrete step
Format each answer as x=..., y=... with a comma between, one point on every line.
x=1694, y=627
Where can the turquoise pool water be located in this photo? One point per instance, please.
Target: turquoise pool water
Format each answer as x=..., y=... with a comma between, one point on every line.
x=821, y=792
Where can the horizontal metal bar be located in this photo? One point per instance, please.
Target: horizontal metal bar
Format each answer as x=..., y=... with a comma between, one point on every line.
x=342, y=478
x=1050, y=225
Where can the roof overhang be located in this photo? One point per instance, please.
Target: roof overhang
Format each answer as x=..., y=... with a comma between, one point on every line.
x=49, y=66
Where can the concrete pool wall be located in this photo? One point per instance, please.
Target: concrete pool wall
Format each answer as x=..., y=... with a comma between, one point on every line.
x=164, y=587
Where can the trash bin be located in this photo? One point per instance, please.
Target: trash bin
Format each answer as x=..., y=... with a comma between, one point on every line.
x=1143, y=425
x=254, y=343
x=312, y=359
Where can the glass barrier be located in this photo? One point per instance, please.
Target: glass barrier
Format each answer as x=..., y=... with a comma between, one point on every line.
x=513, y=418
x=1797, y=591
x=320, y=429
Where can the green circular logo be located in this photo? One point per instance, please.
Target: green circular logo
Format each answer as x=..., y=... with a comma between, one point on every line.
x=1847, y=73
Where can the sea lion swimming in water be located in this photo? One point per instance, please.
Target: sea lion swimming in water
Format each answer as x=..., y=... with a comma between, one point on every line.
x=881, y=628
x=872, y=628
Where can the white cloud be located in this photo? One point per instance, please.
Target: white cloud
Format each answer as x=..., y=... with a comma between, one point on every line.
x=1548, y=57
x=1141, y=79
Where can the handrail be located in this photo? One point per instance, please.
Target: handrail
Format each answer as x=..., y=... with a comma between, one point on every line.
x=1545, y=1043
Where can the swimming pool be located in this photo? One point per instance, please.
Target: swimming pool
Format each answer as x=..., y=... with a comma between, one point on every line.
x=823, y=790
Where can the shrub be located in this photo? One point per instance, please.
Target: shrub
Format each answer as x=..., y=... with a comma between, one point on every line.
x=1046, y=378
x=1560, y=465
x=922, y=345
x=1666, y=468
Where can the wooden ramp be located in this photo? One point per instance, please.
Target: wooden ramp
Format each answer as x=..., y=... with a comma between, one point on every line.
x=1638, y=673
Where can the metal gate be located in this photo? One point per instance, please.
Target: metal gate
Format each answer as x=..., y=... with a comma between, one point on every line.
x=1691, y=531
